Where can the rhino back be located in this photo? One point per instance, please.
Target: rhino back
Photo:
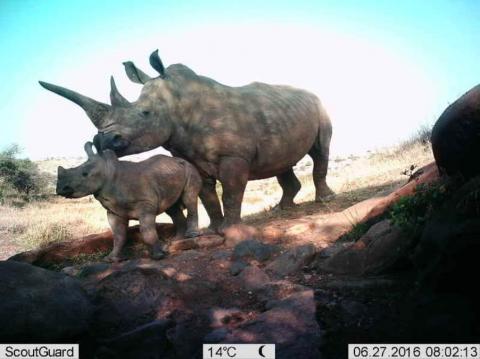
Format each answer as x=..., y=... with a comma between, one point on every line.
x=272, y=127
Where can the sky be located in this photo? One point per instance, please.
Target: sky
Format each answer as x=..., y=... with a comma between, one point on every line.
x=382, y=69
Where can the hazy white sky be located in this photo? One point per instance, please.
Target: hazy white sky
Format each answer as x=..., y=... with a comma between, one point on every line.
x=381, y=69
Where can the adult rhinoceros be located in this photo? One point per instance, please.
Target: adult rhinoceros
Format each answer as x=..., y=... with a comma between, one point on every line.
x=233, y=134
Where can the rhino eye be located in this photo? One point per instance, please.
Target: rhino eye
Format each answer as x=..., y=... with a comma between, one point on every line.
x=84, y=173
x=146, y=113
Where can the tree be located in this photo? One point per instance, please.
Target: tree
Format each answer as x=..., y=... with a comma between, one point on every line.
x=18, y=174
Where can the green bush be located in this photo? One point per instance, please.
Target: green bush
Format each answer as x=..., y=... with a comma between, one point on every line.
x=410, y=213
x=19, y=177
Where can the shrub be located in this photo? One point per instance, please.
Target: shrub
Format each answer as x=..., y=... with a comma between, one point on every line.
x=43, y=234
x=19, y=177
x=410, y=213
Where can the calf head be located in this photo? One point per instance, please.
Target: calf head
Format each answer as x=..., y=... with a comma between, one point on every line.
x=89, y=177
x=126, y=127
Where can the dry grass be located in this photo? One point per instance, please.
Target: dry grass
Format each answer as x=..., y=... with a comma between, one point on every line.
x=352, y=178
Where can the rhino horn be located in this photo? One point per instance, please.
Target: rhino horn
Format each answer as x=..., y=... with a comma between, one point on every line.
x=95, y=110
x=115, y=97
x=89, y=149
x=135, y=74
x=157, y=63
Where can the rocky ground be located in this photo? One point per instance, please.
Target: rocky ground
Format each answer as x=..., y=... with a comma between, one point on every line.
x=295, y=282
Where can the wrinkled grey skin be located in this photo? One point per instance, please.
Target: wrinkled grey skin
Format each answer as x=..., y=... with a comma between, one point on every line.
x=136, y=190
x=231, y=134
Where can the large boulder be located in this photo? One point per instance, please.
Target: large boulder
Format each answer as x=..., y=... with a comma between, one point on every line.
x=382, y=249
x=456, y=136
x=38, y=305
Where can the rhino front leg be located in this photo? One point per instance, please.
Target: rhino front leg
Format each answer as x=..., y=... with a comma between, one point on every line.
x=119, y=229
x=149, y=234
x=233, y=174
x=210, y=201
x=190, y=200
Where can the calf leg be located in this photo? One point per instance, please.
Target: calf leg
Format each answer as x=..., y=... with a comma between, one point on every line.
x=178, y=219
x=233, y=174
x=119, y=229
x=150, y=236
x=209, y=198
x=290, y=186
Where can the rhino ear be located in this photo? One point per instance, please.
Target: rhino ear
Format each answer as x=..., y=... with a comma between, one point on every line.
x=157, y=63
x=61, y=170
x=134, y=74
x=89, y=149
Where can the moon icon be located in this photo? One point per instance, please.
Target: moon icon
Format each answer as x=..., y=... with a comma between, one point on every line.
x=260, y=351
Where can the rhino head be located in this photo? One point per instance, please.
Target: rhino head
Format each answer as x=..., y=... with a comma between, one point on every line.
x=129, y=127
x=89, y=177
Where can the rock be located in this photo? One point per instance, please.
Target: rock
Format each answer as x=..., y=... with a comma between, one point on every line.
x=239, y=233
x=98, y=269
x=216, y=335
x=64, y=252
x=221, y=317
x=253, y=278
x=291, y=325
x=456, y=136
x=347, y=261
x=292, y=260
x=38, y=305
x=127, y=299
x=387, y=248
x=237, y=267
x=147, y=341
x=378, y=251
x=195, y=243
x=446, y=256
x=253, y=249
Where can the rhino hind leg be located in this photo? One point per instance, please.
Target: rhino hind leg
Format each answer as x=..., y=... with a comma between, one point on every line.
x=148, y=229
x=290, y=186
x=190, y=200
x=178, y=218
x=319, y=154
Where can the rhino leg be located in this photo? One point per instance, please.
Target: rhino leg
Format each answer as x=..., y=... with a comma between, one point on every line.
x=233, y=174
x=149, y=234
x=210, y=201
x=119, y=229
x=290, y=186
x=190, y=200
x=178, y=219
x=319, y=154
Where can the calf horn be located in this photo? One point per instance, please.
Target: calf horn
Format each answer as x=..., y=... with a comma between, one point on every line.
x=95, y=110
x=115, y=97
x=157, y=63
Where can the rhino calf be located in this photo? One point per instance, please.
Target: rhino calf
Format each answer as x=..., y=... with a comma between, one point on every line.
x=136, y=190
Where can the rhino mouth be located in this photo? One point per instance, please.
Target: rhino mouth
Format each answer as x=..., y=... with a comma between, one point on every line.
x=65, y=191
x=113, y=142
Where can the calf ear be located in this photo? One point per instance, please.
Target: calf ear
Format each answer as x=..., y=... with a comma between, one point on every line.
x=134, y=74
x=88, y=149
x=109, y=155
x=61, y=170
